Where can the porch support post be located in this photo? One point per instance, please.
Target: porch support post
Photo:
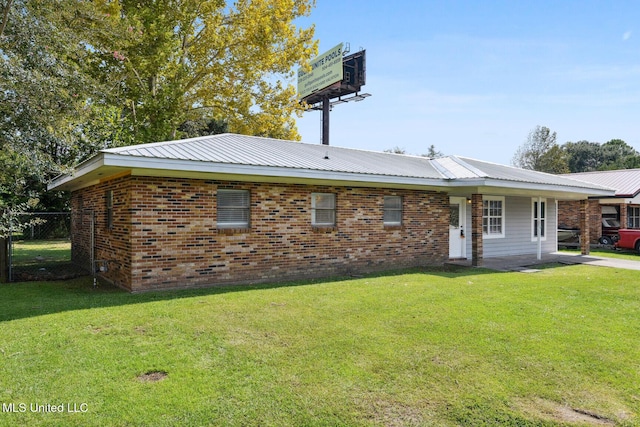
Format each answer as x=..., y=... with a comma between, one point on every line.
x=584, y=227
x=476, y=230
x=624, y=219
x=539, y=227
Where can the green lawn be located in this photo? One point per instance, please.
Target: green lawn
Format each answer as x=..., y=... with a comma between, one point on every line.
x=466, y=347
x=609, y=253
x=41, y=252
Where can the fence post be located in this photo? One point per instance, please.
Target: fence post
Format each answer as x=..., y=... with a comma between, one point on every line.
x=4, y=260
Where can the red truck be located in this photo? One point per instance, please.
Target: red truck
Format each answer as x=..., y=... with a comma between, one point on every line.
x=629, y=239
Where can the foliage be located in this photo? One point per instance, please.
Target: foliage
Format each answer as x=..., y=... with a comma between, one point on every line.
x=617, y=154
x=11, y=221
x=192, y=60
x=433, y=153
x=541, y=152
x=585, y=156
x=43, y=91
x=463, y=347
x=79, y=76
x=396, y=150
x=203, y=127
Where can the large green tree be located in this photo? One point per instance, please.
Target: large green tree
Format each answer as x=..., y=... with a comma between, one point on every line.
x=176, y=61
x=541, y=152
x=43, y=93
x=585, y=156
x=617, y=154
x=77, y=76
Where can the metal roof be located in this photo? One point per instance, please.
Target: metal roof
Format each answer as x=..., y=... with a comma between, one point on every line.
x=258, y=151
x=626, y=182
x=232, y=156
x=510, y=173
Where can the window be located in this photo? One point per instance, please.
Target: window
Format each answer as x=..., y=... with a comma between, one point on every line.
x=109, y=202
x=542, y=219
x=392, y=210
x=323, y=209
x=493, y=217
x=233, y=208
x=633, y=217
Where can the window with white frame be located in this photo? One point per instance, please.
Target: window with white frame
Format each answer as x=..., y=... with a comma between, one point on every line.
x=392, y=210
x=633, y=217
x=233, y=208
x=541, y=220
x=493, y=217
x=323, y=209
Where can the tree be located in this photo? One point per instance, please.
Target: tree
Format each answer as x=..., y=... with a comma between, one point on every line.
x=78, y=76
x=178, y=61
x=583, y=156
x=617, y=154
x=553, y=160
x=396, y=150
x=43, y=92
x=541, y=152
x=433, y=153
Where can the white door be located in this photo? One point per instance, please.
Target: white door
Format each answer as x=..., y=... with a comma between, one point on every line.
x=457, y=228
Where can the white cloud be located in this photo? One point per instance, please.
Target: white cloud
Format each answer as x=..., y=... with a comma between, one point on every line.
x=626, y=36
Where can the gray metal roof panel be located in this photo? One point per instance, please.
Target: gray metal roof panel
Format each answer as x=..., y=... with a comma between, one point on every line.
x=510, y=173
x=258, y=151
x=626, y=182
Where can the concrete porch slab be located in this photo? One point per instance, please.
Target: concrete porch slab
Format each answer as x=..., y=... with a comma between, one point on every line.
x=527, y=263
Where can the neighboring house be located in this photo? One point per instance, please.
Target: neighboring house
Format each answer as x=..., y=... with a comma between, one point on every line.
x=240, y=209
x=623, y=209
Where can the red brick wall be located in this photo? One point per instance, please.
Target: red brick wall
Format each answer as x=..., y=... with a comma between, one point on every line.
x=569, y=216
x=111, y=244
x=169, y=228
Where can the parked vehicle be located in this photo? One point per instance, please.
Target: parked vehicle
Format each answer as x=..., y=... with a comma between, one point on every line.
x=610, y=227
x=629, y=239
x=568, y=237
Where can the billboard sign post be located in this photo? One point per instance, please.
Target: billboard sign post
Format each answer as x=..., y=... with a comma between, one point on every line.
x=332, y=76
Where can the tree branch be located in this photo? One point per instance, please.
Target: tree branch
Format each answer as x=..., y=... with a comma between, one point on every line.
x=5, y=16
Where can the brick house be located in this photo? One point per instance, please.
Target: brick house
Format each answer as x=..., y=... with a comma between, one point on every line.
x=623, y=208
x=237, y=209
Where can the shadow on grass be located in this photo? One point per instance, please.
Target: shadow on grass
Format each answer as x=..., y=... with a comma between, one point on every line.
x=30, y=299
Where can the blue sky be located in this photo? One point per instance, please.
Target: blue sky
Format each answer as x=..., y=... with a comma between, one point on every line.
x=474, y=78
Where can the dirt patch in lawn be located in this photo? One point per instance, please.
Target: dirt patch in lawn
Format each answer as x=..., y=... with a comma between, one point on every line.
x=152, y=376
x=549, y=410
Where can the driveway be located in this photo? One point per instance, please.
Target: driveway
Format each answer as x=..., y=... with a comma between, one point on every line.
x=529, y=262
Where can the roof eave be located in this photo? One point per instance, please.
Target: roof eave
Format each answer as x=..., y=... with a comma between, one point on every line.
x=489, y=183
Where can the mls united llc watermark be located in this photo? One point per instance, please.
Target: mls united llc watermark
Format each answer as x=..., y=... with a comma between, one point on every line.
x=45, y=408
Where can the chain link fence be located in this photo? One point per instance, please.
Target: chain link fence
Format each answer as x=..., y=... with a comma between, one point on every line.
x=42, y=250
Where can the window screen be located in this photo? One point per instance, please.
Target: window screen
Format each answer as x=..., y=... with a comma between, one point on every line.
x=233, y=208
x=323, y=209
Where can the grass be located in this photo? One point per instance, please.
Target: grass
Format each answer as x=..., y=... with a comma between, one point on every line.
x=41, y=252
x=445, y=348
x=610, y=253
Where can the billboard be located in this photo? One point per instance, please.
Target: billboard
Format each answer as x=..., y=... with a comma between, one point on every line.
x=353, y=78
x=326, y=70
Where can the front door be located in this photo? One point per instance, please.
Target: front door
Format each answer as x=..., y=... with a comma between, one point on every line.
x=457, y=228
